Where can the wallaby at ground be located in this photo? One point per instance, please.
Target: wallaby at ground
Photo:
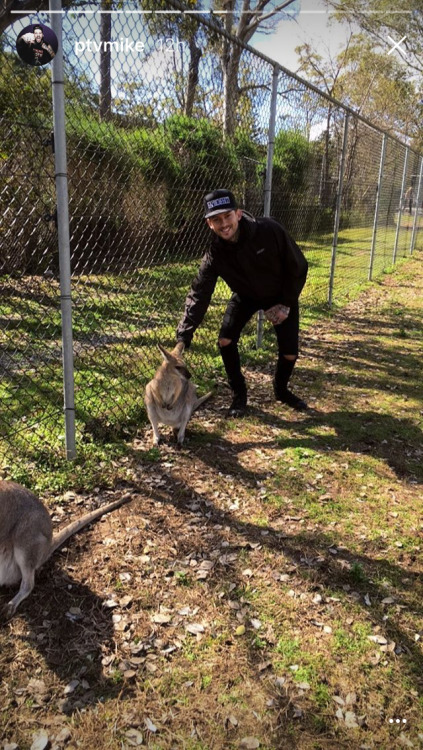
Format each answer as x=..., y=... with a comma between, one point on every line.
x=26, y=537
x=171, y=398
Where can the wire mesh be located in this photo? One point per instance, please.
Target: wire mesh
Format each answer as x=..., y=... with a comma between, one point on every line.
x=137, y=177
x=160, y=110
x=30, y=326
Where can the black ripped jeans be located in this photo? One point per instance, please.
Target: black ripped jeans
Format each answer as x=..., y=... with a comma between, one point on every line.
x=238, y=312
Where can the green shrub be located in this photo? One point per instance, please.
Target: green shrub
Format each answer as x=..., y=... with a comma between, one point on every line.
x=292, y=159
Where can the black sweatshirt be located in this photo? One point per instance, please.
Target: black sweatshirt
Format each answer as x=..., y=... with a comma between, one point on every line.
x=265, y=266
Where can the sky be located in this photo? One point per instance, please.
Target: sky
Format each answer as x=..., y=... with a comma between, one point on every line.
x=313, y=25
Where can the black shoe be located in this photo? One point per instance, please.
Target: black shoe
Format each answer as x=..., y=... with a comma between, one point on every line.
x=287, y=397
x=238, y=406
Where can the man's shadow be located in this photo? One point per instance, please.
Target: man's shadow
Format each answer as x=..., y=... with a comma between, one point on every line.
x=397, y=441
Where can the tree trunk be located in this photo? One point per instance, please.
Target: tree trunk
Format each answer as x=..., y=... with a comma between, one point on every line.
x=105, y=62
x=230, y=89
x=194, y=63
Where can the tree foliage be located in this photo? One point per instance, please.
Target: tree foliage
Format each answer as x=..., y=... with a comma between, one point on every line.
x=385, y=23
x=380, y=19
x=25, y=92
x=369, y=81
x=291, y=162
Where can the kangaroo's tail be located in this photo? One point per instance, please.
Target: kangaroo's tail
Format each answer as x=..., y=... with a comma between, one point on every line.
x=201, y=400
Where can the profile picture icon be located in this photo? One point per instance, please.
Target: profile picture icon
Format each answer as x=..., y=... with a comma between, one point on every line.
x=37, y=44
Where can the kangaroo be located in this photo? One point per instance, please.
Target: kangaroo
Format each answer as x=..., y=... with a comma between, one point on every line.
x=170, y=398
x=26, y=537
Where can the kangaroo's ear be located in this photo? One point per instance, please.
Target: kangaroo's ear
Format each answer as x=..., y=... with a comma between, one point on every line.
x=166, y=355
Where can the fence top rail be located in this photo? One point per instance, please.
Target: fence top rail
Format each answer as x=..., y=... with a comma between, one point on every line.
x=211, y=24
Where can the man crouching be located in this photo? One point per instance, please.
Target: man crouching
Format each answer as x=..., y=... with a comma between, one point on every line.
x=266, y=270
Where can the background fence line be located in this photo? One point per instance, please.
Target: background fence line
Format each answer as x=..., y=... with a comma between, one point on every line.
x=141, y=152
x=404, y=177
x=338, y=207
x=378, y=195
x=417, y=222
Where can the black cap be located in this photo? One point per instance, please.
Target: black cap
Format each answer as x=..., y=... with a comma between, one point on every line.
x=218, y=202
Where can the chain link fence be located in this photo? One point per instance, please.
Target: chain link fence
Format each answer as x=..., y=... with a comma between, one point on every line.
x=159, y=110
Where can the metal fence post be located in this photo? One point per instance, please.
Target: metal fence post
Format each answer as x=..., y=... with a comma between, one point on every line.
x=404, y=177
x=338, y=207
x=60, y=161
x=268, y=180
x=416, y=214
x=379, y=186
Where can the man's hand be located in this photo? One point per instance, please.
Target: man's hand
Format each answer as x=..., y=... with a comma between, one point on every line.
x=277, y=314
x=180, y=340
x=28, y=38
